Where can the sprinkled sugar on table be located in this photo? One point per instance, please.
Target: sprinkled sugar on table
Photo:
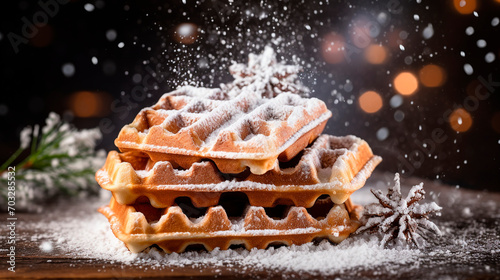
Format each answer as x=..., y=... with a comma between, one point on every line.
x=72, y=240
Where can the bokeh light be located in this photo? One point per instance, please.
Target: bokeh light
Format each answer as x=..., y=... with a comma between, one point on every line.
x=375, y=54
x=186, y=33
x=465, y=6
x=370, y=101
x=68, y=69
x=432, y=76
x=85, y=104
x=332, y=48
x=46, y=246
x=111, y=35
x=460, y=120
x=406, y=83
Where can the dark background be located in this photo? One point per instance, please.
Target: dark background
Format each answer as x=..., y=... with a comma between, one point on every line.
x=115, y=76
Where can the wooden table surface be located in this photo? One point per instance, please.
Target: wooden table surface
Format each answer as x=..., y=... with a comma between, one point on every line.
x=479, y=225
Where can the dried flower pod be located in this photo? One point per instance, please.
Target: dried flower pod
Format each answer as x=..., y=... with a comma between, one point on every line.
x=400, y=219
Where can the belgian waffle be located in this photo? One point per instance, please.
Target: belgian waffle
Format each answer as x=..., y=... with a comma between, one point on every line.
x=173, y=231
x=334, y=166
x=233, y=130
x=241, y=164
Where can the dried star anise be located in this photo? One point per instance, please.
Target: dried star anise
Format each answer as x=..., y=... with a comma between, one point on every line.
x=400, y=219
x=264, y=74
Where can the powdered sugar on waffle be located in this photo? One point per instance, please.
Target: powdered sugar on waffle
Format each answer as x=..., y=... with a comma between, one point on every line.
x=281, y=108
x=233, y=185
x=262, y=112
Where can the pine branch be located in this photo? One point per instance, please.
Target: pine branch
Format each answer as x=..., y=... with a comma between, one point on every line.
x=62, y=162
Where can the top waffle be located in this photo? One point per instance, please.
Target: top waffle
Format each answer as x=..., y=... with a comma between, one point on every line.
x=242, y=125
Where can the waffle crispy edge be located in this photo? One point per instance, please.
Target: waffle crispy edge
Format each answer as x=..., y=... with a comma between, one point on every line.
x=204, y=185
x=175, y=231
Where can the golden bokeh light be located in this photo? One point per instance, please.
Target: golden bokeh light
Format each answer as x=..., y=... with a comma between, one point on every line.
x=85, y=104
x=432, y=76
x=406, y=83
x=495, y=121
x=370, y=101
x=332, y=48
x=375, y=54
x=186, y=33
x=465, y=7
x=460, y=120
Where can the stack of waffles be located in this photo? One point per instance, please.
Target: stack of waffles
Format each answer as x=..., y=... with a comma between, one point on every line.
x=244, y=164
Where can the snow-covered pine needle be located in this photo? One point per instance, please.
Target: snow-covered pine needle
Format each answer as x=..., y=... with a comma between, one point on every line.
x=62, y=160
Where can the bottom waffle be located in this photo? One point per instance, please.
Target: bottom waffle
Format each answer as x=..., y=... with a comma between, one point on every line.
x=140, y=226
